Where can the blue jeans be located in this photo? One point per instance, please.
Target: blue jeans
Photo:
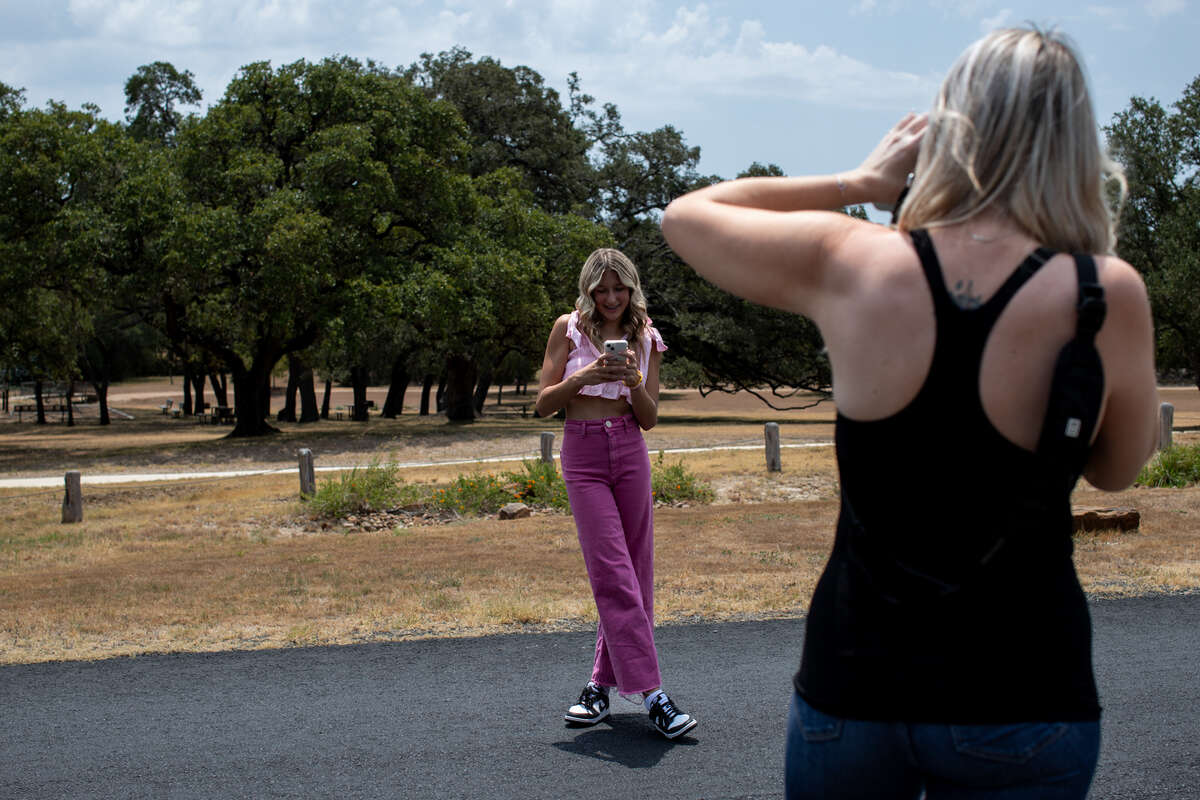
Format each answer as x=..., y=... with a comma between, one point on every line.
x=830, y=757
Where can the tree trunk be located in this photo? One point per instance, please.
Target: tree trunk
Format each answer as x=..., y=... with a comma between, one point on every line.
x=39, y=402
x=288, y=412
x=188, y=407
x=264, y=395
x=220, y=388
x=70, y=407
x=325, y=400
x=482, y=385
x=440, y=396
x=358, y=383
x=393, y=406
x=198, y=391
x=460, y=386
x=426, y=386
x=101, y=388
x=308, y=397
x=249, y=386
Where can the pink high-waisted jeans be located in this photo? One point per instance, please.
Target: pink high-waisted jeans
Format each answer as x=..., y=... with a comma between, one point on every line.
x=607, y=471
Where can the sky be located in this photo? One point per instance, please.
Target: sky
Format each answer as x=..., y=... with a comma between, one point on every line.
x=809, y=86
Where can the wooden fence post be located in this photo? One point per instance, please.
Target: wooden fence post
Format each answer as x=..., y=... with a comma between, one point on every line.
x=774, y=462
x=1166, y=420
x=548, y=447
x=72, y=507
x=308, y=478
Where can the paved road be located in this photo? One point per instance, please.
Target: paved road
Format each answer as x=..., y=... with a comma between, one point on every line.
x=479, y=718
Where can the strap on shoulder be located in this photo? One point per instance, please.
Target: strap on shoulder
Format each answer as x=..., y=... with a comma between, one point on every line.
x=1091, y=305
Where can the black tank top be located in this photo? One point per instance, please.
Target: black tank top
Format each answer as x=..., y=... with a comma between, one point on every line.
x=950, y=594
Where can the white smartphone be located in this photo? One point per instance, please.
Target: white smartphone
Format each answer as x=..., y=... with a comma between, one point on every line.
x=615, y=347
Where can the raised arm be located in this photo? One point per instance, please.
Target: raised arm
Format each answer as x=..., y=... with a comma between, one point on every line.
x=771, y=240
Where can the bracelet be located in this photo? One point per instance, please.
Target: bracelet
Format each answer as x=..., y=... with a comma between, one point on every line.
x=638, y=382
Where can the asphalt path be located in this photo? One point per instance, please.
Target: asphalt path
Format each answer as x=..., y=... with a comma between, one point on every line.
x=481, y=718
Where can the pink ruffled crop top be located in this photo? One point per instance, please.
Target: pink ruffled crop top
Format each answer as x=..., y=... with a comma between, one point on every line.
x=584, y=353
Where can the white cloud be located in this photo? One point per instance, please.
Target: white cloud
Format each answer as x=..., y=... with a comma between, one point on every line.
x=963, y=8
x=1116, y=17
x=698, y=55
x=660, y=56
x=1165, y=8
x=867, y=8
x=1000, y=20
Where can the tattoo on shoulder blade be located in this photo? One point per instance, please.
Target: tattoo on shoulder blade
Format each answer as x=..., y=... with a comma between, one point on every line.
x=962, y=295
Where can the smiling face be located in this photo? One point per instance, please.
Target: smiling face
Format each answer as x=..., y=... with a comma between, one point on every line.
x=611, y=297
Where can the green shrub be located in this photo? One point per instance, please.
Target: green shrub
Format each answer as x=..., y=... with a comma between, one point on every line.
x=672, y=483
x=540, y=484
x=373, y=488
x=1176, y=467
x=537, y=483
x=473, y=494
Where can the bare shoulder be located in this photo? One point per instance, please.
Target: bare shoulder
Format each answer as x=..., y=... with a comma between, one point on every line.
x=559, y=329
x=868, y=257
x=1122, y=283
x=558, y=334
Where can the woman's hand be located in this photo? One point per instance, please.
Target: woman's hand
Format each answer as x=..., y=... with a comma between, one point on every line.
x=605, y=369
x=631, y=376
x=885, y=171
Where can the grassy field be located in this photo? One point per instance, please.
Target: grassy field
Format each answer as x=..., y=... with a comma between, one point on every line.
x=200, y=565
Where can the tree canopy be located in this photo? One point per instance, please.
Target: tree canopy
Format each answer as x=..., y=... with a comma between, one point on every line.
x=1160, y=228
x=428, y=221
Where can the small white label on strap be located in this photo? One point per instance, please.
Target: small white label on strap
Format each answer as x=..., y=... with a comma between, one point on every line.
x=1074, y=425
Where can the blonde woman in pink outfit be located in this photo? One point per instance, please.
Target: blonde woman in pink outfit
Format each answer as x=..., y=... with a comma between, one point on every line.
x=610, y=399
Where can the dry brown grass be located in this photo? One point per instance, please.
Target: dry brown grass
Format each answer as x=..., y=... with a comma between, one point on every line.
x=199, y=566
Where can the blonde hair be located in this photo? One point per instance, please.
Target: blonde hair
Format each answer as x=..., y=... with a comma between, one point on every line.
x=1012, y=130
x=633, y=322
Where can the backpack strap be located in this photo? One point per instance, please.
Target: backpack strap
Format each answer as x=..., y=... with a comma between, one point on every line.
x=1077, y=388
x=1090, y=306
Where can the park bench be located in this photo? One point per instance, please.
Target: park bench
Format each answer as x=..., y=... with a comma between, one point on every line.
x=31, y=408
x=341, y=411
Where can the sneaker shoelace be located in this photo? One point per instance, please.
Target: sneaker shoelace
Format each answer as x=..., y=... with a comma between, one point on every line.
x=665, y=710
x=592, y=694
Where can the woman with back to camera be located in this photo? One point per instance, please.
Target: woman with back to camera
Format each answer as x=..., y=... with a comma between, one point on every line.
x=609, y=400
x=948, y=643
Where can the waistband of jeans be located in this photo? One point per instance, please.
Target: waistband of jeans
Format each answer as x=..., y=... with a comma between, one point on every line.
x=578, y=426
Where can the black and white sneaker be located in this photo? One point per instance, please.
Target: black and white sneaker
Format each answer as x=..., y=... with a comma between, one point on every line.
x=592, y=706
x=670, y=721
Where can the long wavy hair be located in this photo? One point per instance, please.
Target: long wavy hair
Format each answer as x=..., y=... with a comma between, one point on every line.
x=1012, y=130
x=635, y=319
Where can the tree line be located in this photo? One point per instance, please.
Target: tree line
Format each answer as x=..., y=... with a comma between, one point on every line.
x=415, y=225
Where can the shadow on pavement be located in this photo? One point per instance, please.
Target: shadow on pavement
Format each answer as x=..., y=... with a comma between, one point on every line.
x=628, y=740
